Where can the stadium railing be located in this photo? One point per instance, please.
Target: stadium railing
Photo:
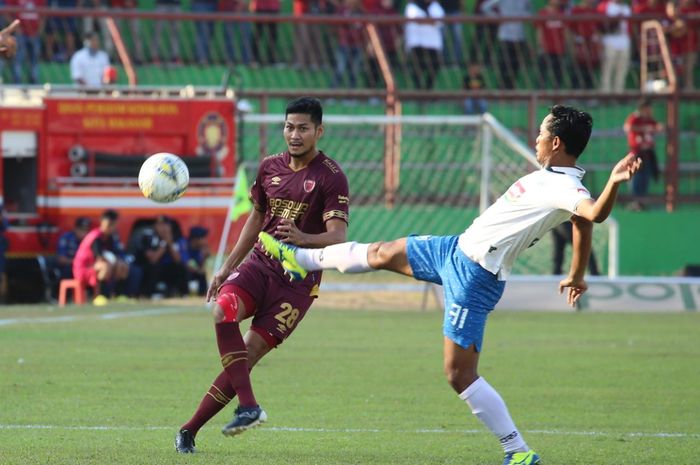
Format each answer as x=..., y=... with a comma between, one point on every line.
x=270, y=58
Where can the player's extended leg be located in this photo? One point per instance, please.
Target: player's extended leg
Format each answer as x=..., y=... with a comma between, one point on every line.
x=218, y=396
x=488, y=406
x=232, y=306
x=348, y=257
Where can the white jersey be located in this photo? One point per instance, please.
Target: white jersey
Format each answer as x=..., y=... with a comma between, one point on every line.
x=532, y=206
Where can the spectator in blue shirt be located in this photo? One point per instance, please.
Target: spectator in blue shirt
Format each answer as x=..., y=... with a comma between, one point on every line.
x=162, y=256
x=68, y=244
x=198, y=251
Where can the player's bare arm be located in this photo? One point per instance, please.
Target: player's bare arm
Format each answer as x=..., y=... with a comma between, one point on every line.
x=336, y=232
x=599, y=210
x=246, y=241
x=582, y=241
x=8, y=44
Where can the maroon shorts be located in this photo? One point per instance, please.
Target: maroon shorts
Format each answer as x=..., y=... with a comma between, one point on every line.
x=278, y=305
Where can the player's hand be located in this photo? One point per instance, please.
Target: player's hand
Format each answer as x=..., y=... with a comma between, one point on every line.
x=575, y=289
x=216, y=283
x=8, y=44
x=626, y=168
x=287, y=231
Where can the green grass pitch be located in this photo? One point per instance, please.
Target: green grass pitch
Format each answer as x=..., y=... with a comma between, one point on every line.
x=111, y=386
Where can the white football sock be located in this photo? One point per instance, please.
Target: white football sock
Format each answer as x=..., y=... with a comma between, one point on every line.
x=348, y=257
x=489, y=407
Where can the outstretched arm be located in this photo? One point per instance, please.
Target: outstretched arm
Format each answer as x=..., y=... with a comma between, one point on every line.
x=246, y=241
x=599, y=210
x=582, y=236
x=8, y=44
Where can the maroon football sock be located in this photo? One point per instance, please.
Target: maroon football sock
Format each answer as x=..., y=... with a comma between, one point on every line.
x=217, y=397
x=234, y=358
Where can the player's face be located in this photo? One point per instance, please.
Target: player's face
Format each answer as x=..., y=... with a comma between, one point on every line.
x=107, y=226
x=543, y=143
x=301, y=134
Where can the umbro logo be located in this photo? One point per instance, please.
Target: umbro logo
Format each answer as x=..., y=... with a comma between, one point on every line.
x=275, y=181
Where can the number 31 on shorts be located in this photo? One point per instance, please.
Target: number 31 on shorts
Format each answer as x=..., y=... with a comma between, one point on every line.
x=287, y=317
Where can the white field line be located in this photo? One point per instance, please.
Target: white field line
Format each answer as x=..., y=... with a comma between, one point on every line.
x=276, y=429
x=103, y=316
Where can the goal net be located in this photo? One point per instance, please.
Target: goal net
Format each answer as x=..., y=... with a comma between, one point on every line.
x=444, y=170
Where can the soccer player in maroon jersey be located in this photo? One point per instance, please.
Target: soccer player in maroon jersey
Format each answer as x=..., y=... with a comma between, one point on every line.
x=301, y=197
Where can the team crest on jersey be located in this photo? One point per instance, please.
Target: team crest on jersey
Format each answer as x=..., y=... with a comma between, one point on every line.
x=309, y=185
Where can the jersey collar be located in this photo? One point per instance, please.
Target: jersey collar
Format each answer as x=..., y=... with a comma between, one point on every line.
x=575, y=171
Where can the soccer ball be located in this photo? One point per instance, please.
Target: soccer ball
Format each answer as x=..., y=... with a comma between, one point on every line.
x=163, y=177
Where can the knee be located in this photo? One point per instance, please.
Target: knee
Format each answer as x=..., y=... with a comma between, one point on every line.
x=460, y=378
x=378, y=255
x=218, y=314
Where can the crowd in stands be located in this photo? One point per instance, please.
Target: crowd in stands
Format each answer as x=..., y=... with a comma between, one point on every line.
x=587, y=46
x=159, y=261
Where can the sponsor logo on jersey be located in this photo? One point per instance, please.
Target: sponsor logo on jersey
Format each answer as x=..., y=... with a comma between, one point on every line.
x=331, y=166
x=309, y=185
x=342, y=199
x=284, y=208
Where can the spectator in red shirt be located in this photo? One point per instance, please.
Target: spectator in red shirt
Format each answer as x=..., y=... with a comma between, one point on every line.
x=389, y=36
x=641, y=127
x=265, y=33
x=28, y=37
x=551, y=37
x=348, y=54
x=684, y=40
x=586, y=44
x=236, y=33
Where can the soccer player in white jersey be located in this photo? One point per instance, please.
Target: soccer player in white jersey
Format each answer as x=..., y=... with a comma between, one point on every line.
x=473, y=266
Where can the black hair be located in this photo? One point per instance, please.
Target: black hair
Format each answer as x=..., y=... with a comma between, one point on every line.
x=111, y=215
x=644, y=103
x=572, y=126
x=306, y=106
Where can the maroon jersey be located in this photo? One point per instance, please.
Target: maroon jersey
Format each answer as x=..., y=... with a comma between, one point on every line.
x=310, y=196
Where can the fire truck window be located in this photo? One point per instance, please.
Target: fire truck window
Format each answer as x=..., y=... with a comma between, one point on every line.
x=19, y=184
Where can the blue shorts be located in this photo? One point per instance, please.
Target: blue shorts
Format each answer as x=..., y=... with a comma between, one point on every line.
x=471, y=292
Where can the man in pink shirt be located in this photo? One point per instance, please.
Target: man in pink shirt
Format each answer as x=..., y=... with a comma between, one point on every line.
x=99, y=260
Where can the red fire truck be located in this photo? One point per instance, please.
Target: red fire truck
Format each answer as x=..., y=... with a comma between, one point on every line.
x=67, y=153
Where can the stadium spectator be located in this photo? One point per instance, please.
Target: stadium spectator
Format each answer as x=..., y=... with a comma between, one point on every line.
x=197, y=253
x=4, y=245
x=237, y=35
x=63, y=32
x=562, y=236
x=100, y=262
x=28, y=37
x=309, y=206
x=68, y=244
x=204, y=29
x=586, y=44
x=305, y=37
x=551, y=38
x=684, y=40
x=172, y=33
x=453, y=36
x=424, y=41
x=162, y=256
x=513, y=48
x=133, y=25
x=641, y=128
x=617, y=46
x=390, y=38
x=265, y=32
x=474, y=81
x=348, y=52
x=483, y=45
x=87, y=66
x=473, y=267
